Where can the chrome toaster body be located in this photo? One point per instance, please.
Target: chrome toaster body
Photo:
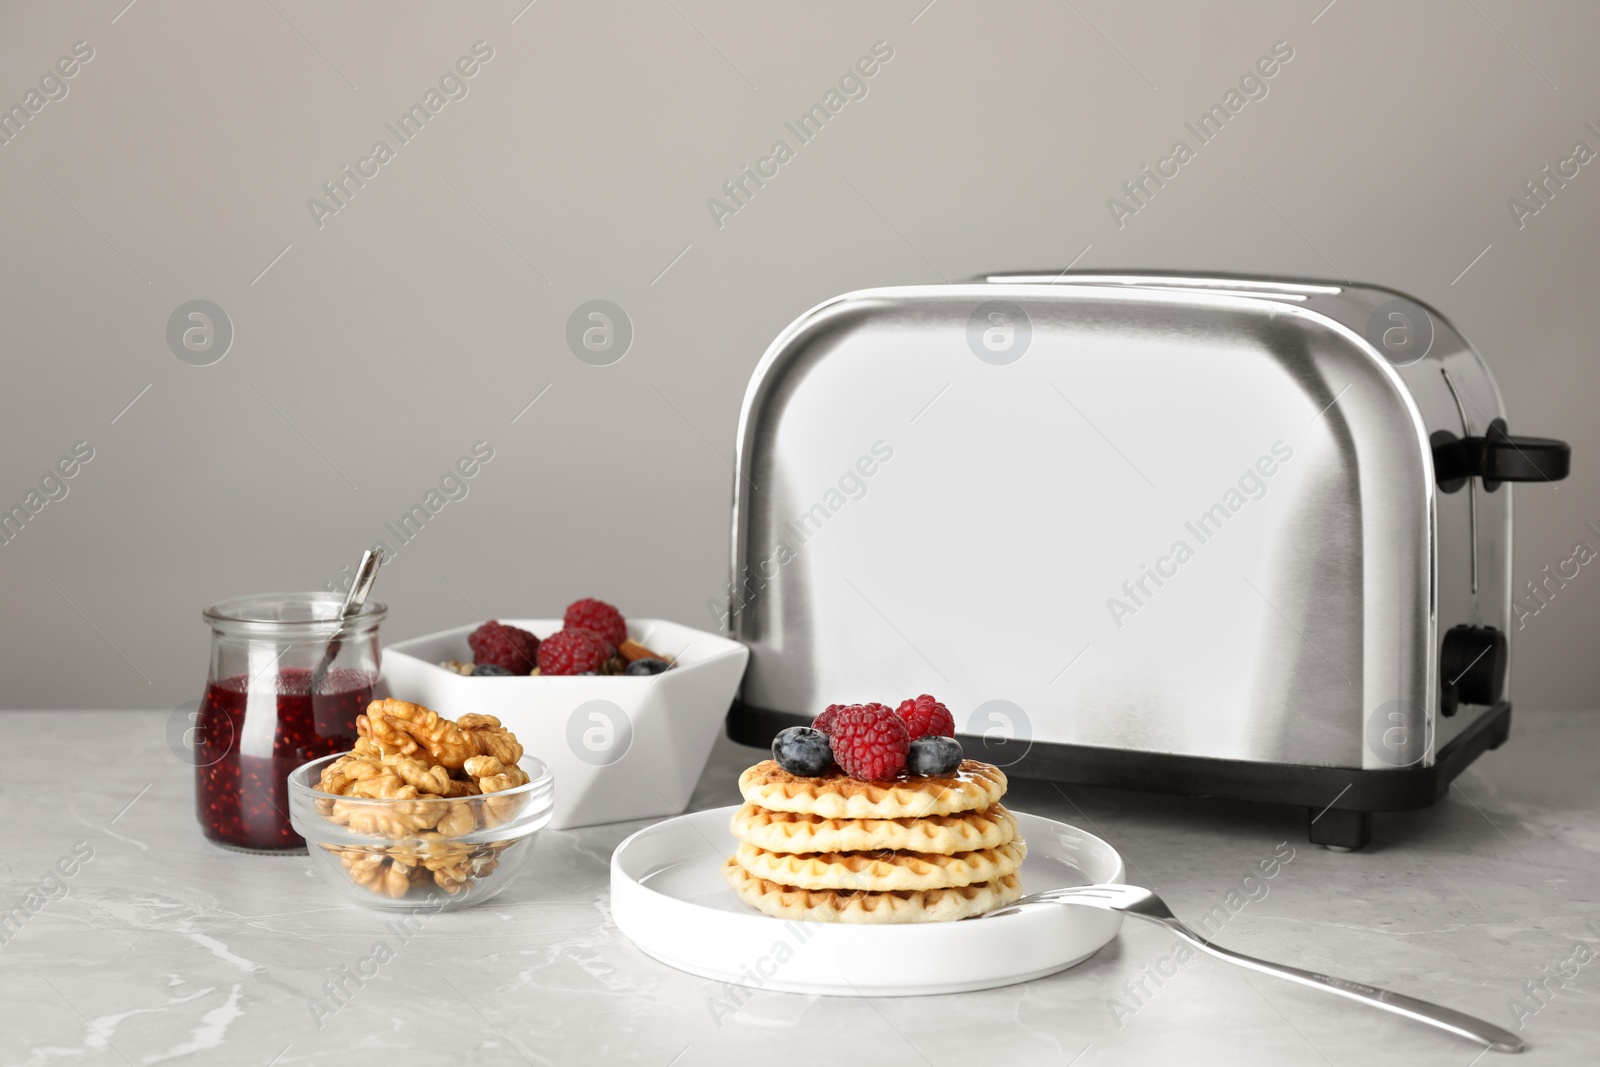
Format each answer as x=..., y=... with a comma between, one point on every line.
x=1168, y=532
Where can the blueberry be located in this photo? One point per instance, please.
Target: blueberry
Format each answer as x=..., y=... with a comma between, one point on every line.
x=490, y=670
x=933, y=755
x=803, y=751
x=647, y=666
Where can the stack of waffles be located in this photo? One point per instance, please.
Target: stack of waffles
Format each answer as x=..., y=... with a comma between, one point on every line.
x=838, y=849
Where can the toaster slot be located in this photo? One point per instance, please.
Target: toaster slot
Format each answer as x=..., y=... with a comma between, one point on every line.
x=1472, y=490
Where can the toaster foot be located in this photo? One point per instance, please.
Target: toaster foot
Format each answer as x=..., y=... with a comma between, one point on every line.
x=1338, y=830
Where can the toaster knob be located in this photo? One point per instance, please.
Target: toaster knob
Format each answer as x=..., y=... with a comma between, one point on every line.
x=1472, y=667
x=1497, y=457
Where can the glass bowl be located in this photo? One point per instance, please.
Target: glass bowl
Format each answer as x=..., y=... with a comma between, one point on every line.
x=432, y=853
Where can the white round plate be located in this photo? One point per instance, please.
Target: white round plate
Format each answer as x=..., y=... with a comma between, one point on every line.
x=668, y=896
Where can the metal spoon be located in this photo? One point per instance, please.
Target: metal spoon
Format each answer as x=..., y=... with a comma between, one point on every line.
x=366, y=574
x=1132, y=900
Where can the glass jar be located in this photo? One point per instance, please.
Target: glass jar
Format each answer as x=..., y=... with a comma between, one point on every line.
x=281, y=690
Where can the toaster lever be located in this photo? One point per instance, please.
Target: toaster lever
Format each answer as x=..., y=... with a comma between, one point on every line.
x=1498, y=457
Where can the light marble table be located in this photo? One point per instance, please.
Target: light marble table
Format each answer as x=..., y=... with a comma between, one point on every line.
x=166, y=949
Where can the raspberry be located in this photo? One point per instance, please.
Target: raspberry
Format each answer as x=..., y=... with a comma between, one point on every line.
x=824, y=722
x=499, y=645
x=925, y=716
x=572, y=652
x=599, y=618
x=869, y=742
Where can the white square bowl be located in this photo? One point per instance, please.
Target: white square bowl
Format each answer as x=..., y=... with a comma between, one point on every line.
x=621, y=746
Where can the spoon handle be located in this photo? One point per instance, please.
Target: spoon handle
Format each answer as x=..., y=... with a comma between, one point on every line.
x=366, y=574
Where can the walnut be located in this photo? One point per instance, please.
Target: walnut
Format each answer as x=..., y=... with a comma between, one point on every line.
x=424, y=777
x=377, y=872
x=394, y=821
x=359, y=776
x=338, y=776
x=384, y=785
x=458, y=821
x=459, y=873
x=398, y=778
x=409, y=729
x=450, y=882
x=368, y=747
x=492, y=775
x=365, y=747
x=431, y=860
x=480, y=766
x=450, y=865
x=497, y=811
x=366, y=780
x=487, y=865
x=394, y=727
x=490, y=738
x=418, y=770
x=397, y=880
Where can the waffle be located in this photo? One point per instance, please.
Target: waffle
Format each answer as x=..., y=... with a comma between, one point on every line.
x=787, y=831
x=845, y=906
x=882, y=872
x=838, y=849
x=974, y=787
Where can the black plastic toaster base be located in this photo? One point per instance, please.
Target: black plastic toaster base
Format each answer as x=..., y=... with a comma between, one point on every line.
x=1339, y=801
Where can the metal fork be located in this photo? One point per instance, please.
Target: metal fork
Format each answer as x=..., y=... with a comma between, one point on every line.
x=1132, y=900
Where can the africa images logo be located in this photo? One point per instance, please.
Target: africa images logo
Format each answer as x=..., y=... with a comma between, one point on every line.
x=999, y=332
x=53, y=87
x=1252, y=85
x=738, y=191
x=1137, y=592
x=453, y=86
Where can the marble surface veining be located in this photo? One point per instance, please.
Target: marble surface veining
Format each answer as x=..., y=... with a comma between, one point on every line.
x=161, y=948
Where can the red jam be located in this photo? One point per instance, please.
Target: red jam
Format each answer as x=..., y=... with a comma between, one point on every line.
x=248, y=740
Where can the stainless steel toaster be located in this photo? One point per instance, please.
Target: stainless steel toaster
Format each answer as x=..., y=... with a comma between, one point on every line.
x=1220, y=536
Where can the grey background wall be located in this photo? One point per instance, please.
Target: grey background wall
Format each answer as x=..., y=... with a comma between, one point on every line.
x=373, y=346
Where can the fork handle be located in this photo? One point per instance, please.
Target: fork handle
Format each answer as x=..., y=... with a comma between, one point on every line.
x=1497, y=1038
